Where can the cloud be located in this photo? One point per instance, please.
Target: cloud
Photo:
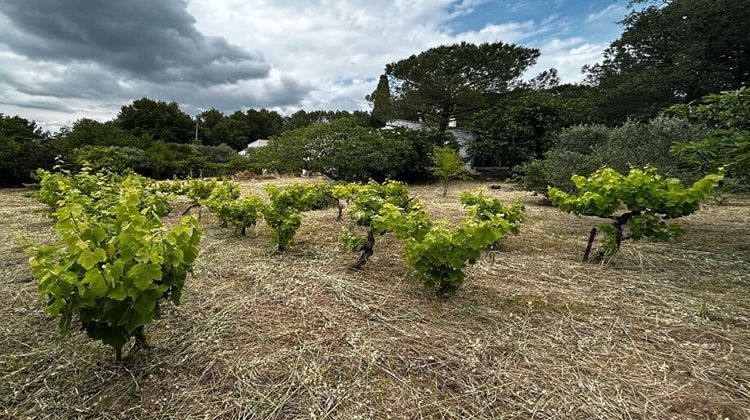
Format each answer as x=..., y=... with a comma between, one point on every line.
x=144, y=39
x=78, y=58
x=612, y=11
x=69, y=57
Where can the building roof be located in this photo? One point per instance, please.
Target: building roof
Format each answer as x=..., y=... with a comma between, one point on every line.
x=258, y=143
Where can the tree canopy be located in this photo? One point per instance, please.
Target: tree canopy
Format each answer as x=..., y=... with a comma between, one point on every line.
x=157, y=119
x=671, y=52
x=451, y=81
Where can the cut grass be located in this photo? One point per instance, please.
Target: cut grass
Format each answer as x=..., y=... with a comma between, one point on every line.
x=660, y=331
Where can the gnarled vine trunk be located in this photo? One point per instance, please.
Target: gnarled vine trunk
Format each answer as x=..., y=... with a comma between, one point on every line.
x=366, y=250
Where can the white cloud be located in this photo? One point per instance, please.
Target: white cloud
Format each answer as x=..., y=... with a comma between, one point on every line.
x=330, y=41
x=613, y=11
x=325, y=53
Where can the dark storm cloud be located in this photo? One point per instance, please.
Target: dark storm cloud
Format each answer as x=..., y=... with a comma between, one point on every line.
x=143, y=39
x=82, y=56
x=37, y=104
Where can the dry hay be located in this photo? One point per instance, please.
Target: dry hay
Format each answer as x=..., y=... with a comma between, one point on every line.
x=661, y=331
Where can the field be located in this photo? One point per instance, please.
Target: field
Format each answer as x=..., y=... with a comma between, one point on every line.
x=660, y=331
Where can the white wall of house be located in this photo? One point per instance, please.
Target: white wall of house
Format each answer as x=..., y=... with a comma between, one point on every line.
x=463, y=137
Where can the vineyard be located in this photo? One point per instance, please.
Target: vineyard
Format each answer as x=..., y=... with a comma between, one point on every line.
x=300, y=298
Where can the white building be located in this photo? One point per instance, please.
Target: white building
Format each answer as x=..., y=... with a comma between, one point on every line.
x=464, y=137
x=253, y=145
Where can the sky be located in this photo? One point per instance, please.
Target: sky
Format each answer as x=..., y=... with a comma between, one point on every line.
x=65, y=60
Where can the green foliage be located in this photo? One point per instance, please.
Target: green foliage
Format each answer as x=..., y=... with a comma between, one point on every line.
x=96, y=192
x=584, y=149
x=382, y=109
x=238, y=129
x=199, y=190
x=482, y=208
x=441, y=255
x=242, y=213
x=115, y=259
x=283, y=212
x=156, y=120
x=673, y=52
x=450, y=80
x=351, y=241
x=302, y=118
x=24, y=147
x=727, y=145
x=366, y=201
x=103, y=158
x=647, y=197
x=344, y=150
x=448, y=165
x=522, y=124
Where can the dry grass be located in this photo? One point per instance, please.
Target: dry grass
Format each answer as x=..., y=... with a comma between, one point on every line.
x=662, y=331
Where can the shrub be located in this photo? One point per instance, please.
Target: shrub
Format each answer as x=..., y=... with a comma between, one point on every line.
x=482, y=208
x=343, y=150
x=581, y=150
x=439, y=257
x=282, y=213
x=649, y=200
x=367, y=201
x=242, y=213
x=113, y=264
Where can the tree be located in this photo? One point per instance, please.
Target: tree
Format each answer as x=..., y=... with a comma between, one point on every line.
x=268, y=123
x=521, y=125
x=727, y=146
x=158, y=120
x=236, y=131
x=675, y=51
x=207, y=121
x=24, y=147
x=344, y=150
x=381, y=103
x=88, y=132
x=451, y=81
x=302, y=118
x=448, y=165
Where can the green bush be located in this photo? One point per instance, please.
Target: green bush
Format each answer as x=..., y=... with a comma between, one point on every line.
x=343, y=150
x=581, y=150
x=727, y=145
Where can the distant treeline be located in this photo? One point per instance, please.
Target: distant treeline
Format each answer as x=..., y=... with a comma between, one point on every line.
x=671, y=52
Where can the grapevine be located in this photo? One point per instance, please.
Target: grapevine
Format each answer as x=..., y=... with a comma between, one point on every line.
x=648, y=199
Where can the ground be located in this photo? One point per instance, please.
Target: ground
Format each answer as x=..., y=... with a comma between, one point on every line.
x=660, y=331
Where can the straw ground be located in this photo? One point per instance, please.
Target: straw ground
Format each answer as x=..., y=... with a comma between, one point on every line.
x=660, y=331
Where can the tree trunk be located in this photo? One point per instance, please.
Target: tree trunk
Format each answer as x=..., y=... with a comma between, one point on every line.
x=190, y=207
x=341, y=209
x=592, y=235
x=445, y=116
x=366, y=250
x=140, y=340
